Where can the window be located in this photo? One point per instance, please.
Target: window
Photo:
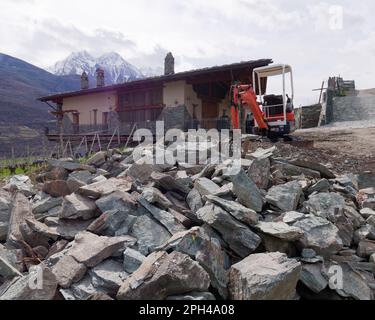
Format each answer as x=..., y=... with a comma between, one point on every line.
x=105, y=119
x=141, y=105
x=141, y=98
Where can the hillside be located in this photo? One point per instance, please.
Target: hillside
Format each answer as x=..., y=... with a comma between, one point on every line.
x=20, y=85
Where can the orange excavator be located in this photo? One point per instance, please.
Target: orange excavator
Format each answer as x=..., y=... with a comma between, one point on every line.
x=273, y=114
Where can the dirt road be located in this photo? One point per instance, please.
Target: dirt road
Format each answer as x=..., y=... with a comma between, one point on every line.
x=347, y=147
x=350, y=147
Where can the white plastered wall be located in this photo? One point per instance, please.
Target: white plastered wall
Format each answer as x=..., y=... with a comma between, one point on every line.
x=103, y=102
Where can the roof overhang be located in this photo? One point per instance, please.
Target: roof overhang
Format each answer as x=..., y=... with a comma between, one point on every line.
x=254, y=64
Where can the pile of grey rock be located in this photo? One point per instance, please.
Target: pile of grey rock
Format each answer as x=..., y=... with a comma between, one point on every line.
x=117, y=228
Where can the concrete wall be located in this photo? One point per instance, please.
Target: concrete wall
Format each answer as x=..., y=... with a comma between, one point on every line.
x=103, y=102
x=174, y=93
x=192, y=99
x=353, y=108
x=225, y=105
x=180, y=93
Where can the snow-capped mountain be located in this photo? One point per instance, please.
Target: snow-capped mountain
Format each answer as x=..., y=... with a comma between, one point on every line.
x=151, y=72
x=75, y=64
x=116, y=68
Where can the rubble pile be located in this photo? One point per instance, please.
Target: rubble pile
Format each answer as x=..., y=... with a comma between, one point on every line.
x=116, y=228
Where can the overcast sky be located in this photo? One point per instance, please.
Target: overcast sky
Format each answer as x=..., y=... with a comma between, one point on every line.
x=319, y=39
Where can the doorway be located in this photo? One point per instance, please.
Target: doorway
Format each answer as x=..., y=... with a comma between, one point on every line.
x=210, y=114
x=105, y=120
x=75, y=122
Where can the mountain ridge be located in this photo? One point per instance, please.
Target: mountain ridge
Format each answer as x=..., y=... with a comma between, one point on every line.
x=116, y=68
x=21, y=83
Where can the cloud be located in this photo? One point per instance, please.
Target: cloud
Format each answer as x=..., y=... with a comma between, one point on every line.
x=200, y=34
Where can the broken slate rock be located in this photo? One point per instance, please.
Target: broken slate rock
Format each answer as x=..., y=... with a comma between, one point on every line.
x=308, y=253
x=292, y=217
x=7, y=270
x=285, y=197
x=194, y=200
x=237, y=210
x=79, y=179
x=280, y=230
x=132, y=260
x=291, y=170
x=5, y=208
x=120, y=201
x=162, y=275
x=320, y=235
x=149, y=234
x=91, y=249
x=56, y=188
x=104, y=188
x=247, y=192
x=366, y=248
x=20, y=288
x=367, y=213
x=205, y=186
x=200, y=246
x=154, y=196
x=67, y=229
x=260, y=171
x=239, y=237
x=322, y=185
x=264, y=276
x=76, y=206
x=168, y=183
x=82, y=290
x=108, y=276
x=20, y=183
x=21, y=210
x=261, y=153
x=46, y=204
x=323, y=170
x=164, y=217
x=69, y=165
x=68, y=271
x=112, y=223
x=325, y=205
x=42, y=229
x=97, y=159
x=13, y=256
x=312, y=277
x=193, y=296
x=353, y=285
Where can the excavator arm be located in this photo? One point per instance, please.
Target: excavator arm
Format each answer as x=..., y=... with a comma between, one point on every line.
x=244, y=95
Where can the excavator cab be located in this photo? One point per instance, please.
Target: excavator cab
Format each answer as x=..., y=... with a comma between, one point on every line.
x=278, y=109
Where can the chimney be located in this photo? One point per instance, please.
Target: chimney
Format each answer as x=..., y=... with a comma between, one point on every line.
x=169, y=64
x=99, y=77
x=84, y=81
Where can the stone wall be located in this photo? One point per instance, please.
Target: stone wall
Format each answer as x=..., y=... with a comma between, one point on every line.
x=310, y=116
x=176, y=117
x=353, y=108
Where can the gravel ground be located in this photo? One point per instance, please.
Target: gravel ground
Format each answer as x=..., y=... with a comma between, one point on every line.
x=347, y=147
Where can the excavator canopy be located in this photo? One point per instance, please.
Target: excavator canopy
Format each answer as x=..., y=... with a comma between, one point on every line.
x=272, y=70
